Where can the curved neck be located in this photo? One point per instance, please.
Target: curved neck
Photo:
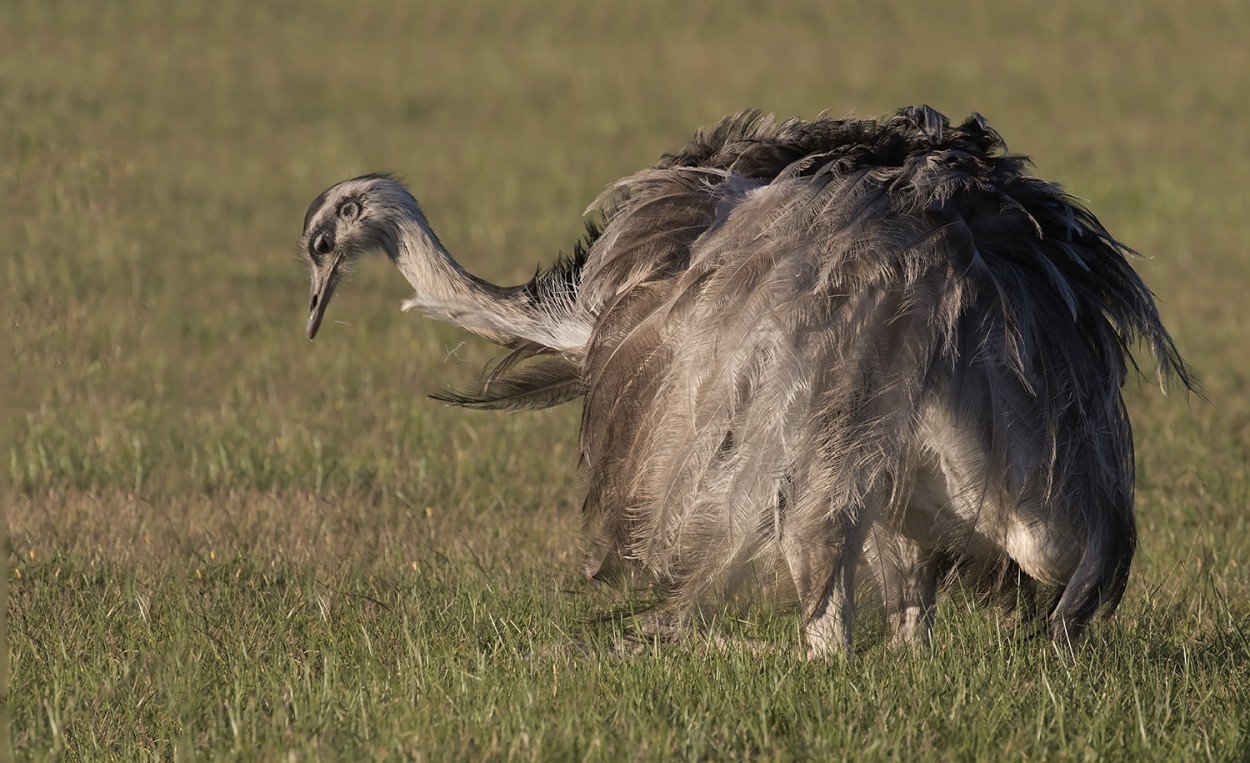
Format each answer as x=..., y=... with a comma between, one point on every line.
x=445, y=291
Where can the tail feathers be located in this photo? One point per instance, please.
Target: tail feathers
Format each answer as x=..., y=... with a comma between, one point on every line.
x=1099, y=580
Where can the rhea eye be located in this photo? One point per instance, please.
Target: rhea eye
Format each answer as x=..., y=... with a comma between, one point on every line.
x=322, y=244
x=349, y=209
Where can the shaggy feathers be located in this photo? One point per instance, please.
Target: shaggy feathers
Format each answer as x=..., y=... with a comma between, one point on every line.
x=792, y=319
x=811, y=338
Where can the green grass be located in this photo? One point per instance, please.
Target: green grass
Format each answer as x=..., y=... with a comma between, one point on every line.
x=224, y=541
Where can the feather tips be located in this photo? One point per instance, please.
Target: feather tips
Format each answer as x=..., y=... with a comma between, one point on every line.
x=542, y=384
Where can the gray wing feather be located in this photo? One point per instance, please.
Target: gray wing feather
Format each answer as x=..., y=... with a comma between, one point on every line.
x=541, y=384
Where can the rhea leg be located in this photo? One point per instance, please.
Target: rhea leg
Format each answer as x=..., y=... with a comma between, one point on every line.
x=822, y=555
x=909, y=576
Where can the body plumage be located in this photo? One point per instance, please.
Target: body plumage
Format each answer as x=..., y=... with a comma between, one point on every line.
x=798, y=339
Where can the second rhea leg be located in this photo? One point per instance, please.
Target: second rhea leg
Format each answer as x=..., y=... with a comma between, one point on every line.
x=909, y=577
x=822, y=556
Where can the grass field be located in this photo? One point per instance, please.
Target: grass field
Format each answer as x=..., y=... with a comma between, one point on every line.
x=224, y=541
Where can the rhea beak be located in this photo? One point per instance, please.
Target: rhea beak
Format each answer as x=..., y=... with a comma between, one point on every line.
x=323, y=282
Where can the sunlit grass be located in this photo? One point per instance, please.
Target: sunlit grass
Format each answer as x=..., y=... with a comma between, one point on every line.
x=227, y=541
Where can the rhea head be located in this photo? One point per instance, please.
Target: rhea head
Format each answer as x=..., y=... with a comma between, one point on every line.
x=351, y=219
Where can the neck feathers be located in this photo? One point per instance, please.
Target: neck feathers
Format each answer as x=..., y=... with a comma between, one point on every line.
x=445, y=291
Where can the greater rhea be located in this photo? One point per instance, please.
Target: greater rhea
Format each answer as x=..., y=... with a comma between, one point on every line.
x=796, y=340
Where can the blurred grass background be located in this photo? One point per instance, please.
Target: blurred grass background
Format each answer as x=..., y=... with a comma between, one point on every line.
x=225, y=540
